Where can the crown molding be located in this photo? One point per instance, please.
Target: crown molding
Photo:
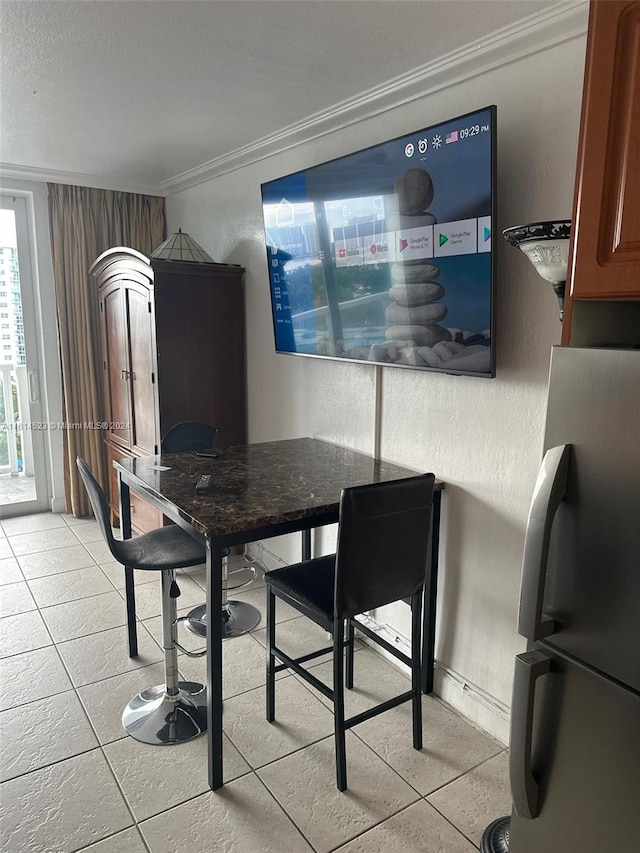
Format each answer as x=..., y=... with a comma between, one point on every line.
x=101, y=182
x=562, y=23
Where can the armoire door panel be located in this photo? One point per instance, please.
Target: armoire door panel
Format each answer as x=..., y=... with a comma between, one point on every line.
x=142, y=371
x=115, y=367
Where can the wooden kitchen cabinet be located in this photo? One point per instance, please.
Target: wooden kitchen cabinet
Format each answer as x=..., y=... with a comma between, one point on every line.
x=173, y=349
x=604, y=264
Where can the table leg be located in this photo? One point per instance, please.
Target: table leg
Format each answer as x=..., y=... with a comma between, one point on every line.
x=306, y=544
x=430, y=600
x=129, y=585
x=214, y=665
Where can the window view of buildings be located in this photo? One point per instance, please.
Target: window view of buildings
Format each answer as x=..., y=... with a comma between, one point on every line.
x=12, y=346
x=11, y=324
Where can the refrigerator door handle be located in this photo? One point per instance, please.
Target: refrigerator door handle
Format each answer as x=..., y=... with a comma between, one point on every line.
x=549, y=491
x=524, y=787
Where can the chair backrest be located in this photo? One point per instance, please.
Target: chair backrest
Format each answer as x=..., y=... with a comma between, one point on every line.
x=383, y=541
x=189, y=436
x=99, y=505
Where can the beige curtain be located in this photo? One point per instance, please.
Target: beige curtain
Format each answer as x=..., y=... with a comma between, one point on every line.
x=85, y=222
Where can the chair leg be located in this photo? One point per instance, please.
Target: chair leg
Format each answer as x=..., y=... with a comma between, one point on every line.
x=350, y=651
x=175, y=711
x=271, y=675
x=338, y=704
x=132, y=628
x=416, y=669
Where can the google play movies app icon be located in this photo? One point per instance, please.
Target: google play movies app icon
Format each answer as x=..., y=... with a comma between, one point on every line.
x=414, y=243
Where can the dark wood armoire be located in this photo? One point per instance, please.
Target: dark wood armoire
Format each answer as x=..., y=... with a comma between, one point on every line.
x=172, y=350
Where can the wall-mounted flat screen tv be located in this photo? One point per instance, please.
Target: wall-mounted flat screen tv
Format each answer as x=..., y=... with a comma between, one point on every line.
x=385, y=255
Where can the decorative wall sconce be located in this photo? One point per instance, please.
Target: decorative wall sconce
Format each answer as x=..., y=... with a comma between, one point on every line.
x=546, y=244
x=181, y=247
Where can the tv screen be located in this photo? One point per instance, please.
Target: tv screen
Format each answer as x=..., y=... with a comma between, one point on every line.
x=385, y=255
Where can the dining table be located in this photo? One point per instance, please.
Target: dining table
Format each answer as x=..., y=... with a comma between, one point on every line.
x=257, y=491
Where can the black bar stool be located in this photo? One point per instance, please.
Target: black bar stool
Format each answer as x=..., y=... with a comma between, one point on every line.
x=383, y=542
x=175, y=711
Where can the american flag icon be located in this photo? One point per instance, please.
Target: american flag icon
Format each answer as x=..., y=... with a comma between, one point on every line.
x=452, y=137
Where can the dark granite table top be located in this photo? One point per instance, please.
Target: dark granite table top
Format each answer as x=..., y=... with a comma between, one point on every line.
x=257, y=488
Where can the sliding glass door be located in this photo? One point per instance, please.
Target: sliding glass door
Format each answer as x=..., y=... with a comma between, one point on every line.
x=23, y=477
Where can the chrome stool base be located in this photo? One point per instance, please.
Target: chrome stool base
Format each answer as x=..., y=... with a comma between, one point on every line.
x=238, y=618
x=154, y=717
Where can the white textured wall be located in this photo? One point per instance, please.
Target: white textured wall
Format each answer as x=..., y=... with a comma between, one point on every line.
x=482, y=437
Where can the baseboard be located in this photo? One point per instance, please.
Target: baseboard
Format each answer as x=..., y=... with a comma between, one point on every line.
x=473, y=703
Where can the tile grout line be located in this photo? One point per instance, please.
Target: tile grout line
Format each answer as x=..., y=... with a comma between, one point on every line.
x=121, y=790
x=457, y=828
x=465, y=773
x=283, y=809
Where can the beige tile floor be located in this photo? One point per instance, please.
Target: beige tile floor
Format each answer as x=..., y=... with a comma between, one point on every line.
x=72, y=780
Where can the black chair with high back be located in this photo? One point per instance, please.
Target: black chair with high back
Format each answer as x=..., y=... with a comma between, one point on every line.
x=175, y=711
x=238, y=617
x=381, y=557
x=190, y=436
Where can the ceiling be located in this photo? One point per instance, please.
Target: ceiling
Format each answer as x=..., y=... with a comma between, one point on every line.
x=136, y=94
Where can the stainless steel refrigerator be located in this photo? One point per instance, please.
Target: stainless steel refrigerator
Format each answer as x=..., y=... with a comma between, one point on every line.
x=575, y=727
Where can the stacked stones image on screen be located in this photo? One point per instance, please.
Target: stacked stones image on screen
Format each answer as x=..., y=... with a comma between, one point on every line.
x=415, y=310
